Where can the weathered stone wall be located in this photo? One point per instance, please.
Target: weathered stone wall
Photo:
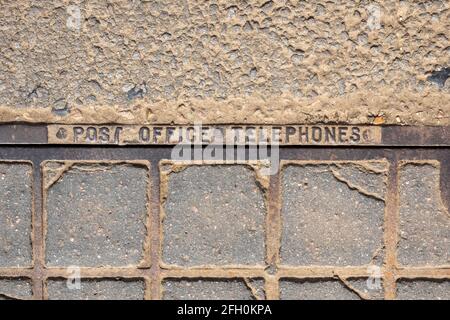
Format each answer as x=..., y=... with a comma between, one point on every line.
x=225, y=61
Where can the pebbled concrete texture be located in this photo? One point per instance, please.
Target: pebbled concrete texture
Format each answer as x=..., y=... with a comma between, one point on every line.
x=93, y=289
x=328, y=289
x=213, y=289
x=16, y=199
x=213, y=215
x=225, y=61
x=96, y=214
x=424, y=235
x=15, y=288
x=423, y=289
x=332, y=213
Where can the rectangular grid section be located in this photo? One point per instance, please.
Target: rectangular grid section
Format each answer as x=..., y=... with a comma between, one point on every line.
x=287, y=249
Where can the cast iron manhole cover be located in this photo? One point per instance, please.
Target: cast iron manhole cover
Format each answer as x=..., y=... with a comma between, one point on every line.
x=328, y=207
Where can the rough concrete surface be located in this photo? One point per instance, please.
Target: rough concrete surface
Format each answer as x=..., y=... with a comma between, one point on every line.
x=257, y=61
x=213, y=289
x=16, y=201
x=328, y=289
x=424, y=220
x=332, y=213
x=214, y=215
x=95, y=214
x=101, y=289
x=422, y=289
x=15, y=289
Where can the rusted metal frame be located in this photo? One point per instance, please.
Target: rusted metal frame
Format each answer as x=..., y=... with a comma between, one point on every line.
x=272, y=273
x=39, y=274
x=392, y=136
x=391, y=271
x=422, y=273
